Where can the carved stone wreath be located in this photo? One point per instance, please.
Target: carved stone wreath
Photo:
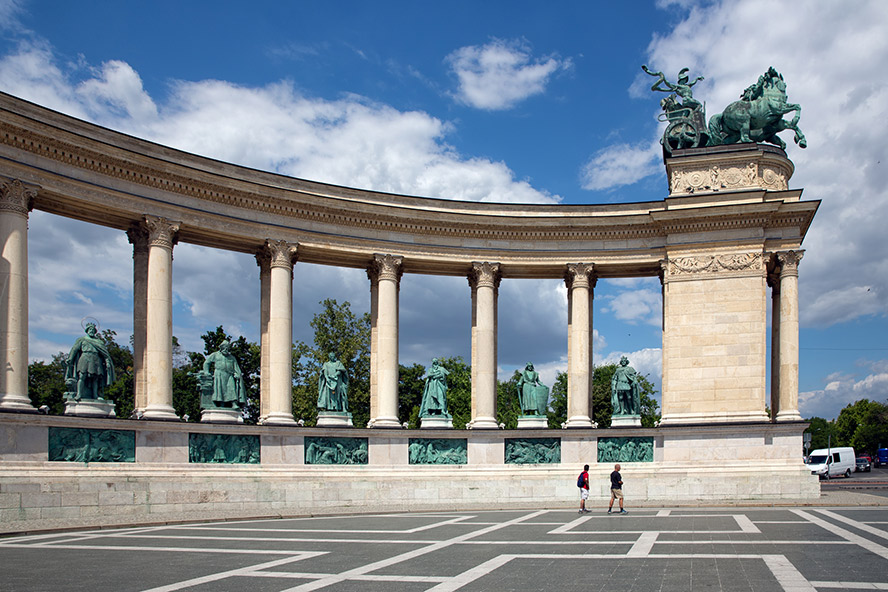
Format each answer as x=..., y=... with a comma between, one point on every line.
x=716, y=263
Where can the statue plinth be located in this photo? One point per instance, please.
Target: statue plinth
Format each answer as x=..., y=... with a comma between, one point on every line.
x=436, y=422
x=729, y=168
x=221, y=416
x=532, y=422
x=334, y=419
x=626, y=421
x=90, y=408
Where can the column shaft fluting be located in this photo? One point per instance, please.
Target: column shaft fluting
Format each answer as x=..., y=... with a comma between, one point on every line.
x=484, y=279
x=789, y=336
x=159, y=319
x=387, y=272
x=280, y=334
x=138, y=237
x=15, y=198
x=263, y=260
x=774, y=282
x=580, y=282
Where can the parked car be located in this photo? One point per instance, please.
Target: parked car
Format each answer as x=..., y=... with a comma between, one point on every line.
x=882, y=455
x=863, y=464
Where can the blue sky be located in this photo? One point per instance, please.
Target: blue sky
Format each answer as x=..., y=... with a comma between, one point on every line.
x=496, y=101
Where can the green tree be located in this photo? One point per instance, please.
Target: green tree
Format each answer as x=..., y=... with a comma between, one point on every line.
x=558, y=401
x=822, y=433
x=122, y=391
x=336, y=330
x=46, y=383
x=602, y=409
x=459, y=390
x=863, y=425
x=410, y=388
x=508, y=408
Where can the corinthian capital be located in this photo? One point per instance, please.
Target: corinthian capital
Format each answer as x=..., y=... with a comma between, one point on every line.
x=16, y=196
x=282, y=253
x=485, y=275
x=580, y=275
x=789, y=262
x=161, y=232
x=385, y=267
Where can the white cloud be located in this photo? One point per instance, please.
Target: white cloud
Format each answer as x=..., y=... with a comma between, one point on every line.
x=843, y=389
x=622, y=164
x=501, y=73
x=639, y=300
x=647, y=362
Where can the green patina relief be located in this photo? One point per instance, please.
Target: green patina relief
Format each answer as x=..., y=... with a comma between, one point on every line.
x=639, y=449
x=438, y=451
x=335, y=451
x=223, y=448
x=86, y=445
x=532, y=451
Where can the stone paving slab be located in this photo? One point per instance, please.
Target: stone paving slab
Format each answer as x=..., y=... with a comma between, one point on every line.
x=746, y=549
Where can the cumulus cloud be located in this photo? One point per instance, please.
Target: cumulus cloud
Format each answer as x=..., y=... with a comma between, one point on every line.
x=501, y=73
x=637, y=300
x=843, y=389
x=622, y=164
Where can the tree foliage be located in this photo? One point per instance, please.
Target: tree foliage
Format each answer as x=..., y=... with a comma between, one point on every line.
x=339, y=331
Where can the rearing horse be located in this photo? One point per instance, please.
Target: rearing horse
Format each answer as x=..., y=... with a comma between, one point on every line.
x=758, y=115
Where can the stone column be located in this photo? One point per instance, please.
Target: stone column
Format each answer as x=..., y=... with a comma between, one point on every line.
x=385, y=273
x=15, y=203
x=280, y=333
x=159, y=318
x=138, y=237
x=789, y=336
x=263, y=260
x=580, y=280
x=774, y=283
x=484, y=280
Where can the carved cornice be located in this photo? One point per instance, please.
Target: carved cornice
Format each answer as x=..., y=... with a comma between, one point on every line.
x=161, y=232
x=282, y=253
x=712, y=173
x=580, y=275
x=16, y=197
x=385, y=267
x=484, y=275
x=733, y=263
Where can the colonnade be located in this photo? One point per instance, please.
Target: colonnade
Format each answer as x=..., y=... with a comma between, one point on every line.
x=154, y=238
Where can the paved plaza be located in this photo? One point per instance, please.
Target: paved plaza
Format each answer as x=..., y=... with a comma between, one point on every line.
x=734, y=549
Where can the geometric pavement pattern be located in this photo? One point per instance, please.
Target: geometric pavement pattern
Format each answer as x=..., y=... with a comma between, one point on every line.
x=732, y=549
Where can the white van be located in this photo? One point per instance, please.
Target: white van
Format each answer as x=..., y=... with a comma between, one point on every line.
x=832, y=462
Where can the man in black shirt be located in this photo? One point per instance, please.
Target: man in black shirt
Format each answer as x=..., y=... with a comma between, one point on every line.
x=616, y=491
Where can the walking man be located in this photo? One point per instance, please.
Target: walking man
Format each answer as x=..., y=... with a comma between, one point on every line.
x=583, y=484
x=616, y=491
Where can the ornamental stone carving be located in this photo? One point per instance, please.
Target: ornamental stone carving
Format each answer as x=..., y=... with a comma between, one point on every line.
x=485, y=275
x=737, y=171
x=161, y=232
x=580, y=275
x=282, y=253
x=16, y=197
x=789, y=262
x=385, y=267
x=700, y=264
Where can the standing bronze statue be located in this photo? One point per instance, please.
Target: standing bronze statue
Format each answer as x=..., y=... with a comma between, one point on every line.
x=625, y=396
x=222, y=369
x=333, y=386
x=90, y=368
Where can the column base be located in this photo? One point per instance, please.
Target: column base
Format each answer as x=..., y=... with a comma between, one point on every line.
x=90, y=408
x=385, y=422
x=580, y=421
x=160, y=413
x=532, y=421
x=788, y=416
x=278, y=419
x=483, y=423
x=16, y=404
x=221, y=416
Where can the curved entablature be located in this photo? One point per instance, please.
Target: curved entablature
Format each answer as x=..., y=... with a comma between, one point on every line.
x=104, y=177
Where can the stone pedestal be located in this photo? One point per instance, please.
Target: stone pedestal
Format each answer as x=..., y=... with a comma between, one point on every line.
x=436, y=422
x=335, y=419
x=221, y=416
x=626, y=421
x=90, y=408
x=532, y=422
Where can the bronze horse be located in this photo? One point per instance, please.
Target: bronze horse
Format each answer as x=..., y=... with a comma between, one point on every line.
x=758, y=115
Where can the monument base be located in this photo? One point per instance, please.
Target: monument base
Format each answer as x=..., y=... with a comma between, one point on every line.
x=626, y=421
x=532, y=421
x=221, y=416
x=335, y=419
x=437, y=422
x=90, y=408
